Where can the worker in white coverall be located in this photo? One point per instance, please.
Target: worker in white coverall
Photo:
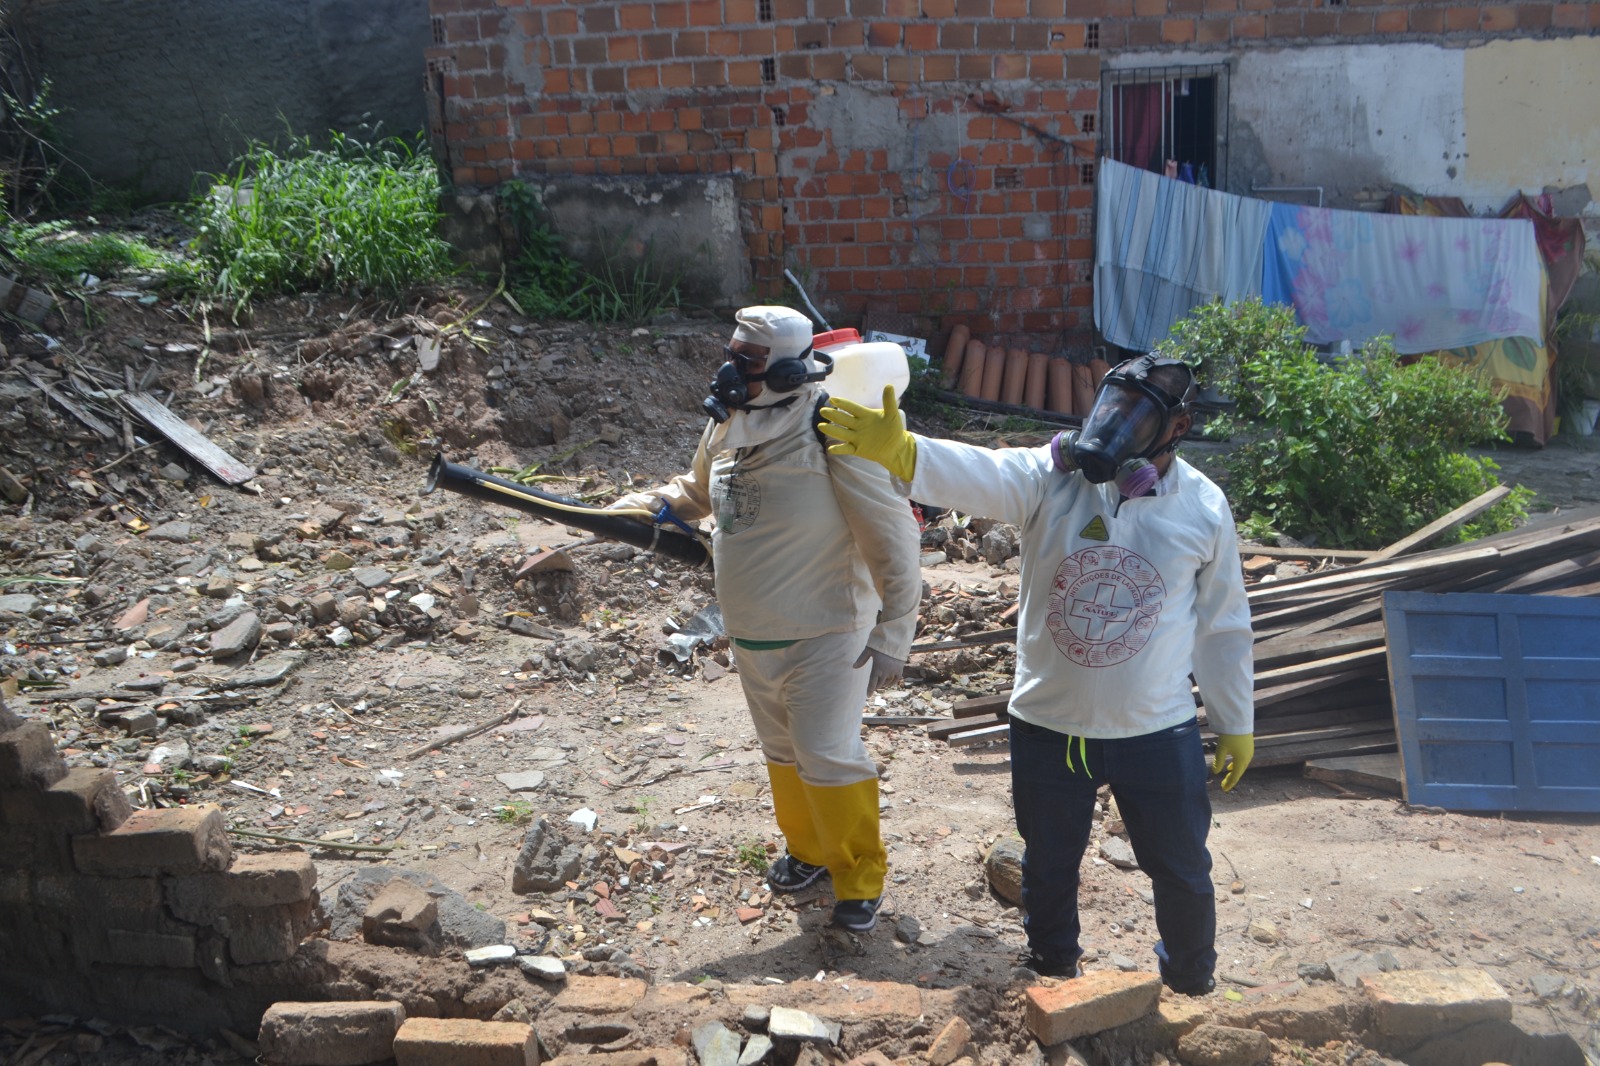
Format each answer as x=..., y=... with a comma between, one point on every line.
x=1130, y=581
x=818, y=578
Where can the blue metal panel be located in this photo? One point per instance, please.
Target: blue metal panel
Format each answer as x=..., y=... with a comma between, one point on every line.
x=1496, y=700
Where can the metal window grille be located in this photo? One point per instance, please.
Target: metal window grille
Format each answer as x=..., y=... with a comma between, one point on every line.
x=1154, y=115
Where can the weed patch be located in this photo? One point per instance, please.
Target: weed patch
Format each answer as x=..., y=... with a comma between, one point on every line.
x=352, y=216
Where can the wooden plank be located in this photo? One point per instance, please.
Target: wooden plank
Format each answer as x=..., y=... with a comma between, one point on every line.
x=1469, y=510
x=1369, y=659
x=1351, y=575
x=1291, y=755
x=971, y=640
x=70, y=406
x=1274, y=552
x=194, y=443
x=947, y=727
x=1281, y=651
x=1270, y=695
x=1381, y=773
x=1371, y=705
x=979, y=736
x=982, y=704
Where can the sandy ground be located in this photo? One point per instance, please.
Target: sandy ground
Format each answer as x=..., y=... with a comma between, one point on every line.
x=1307, y=872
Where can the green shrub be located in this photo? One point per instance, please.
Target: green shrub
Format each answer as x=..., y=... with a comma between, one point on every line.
x=1364, y=452
x=1217, y=339
x=352, y=216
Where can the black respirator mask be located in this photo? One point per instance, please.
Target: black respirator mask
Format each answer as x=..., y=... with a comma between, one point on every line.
x=730, y=388
x=1130, y=414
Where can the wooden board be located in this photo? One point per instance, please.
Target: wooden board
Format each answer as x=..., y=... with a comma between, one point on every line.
x=1497, y=700
x=1467, y=511
x=1381, y=773
x=186, y=437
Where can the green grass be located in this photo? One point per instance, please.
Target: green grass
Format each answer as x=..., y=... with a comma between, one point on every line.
x=58, y=252
x=348, y=217
x=515, y=812
x=752, y=854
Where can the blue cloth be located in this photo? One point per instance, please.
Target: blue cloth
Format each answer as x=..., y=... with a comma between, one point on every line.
x=1159, y=782
x=1430, y=283
x=1163, y=247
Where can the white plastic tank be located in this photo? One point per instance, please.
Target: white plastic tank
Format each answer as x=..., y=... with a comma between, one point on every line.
x=862, y=368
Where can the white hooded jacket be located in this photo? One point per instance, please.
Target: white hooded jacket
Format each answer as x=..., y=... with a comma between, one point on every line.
x=1118, y=603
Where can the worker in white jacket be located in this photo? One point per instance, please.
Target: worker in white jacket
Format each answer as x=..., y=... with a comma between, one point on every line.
x=1130, y=581
x=818, y=578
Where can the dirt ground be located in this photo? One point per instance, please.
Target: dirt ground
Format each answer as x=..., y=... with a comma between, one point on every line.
x=433, y=629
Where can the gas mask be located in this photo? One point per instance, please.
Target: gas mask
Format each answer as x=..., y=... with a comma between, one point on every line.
x=786, y=336
x=1130, y=414
x=730, y=388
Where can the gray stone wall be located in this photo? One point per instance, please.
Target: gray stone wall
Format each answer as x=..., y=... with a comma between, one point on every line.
x=152, y=93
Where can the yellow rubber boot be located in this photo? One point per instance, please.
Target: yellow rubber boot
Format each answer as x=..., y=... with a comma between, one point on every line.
x=793, y=810
x=846, y=820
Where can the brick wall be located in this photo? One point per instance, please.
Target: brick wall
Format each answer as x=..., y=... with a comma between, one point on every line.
x=139, y=916
x=989, y=222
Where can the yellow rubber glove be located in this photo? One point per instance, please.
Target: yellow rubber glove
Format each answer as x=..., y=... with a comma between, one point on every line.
x=1235, y=753
x=873, y=433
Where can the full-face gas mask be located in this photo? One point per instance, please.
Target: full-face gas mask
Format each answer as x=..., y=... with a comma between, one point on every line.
x=791, y=363
x=1131, y=413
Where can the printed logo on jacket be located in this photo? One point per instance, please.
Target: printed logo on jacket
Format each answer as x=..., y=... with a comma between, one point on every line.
x=1104, y=604
x=736, y=501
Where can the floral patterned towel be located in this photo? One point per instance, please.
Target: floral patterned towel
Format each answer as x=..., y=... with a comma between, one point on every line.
x=1430, y=283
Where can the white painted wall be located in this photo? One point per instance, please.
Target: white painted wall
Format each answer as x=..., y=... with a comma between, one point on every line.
x=1478, y=123
x=1350, y=117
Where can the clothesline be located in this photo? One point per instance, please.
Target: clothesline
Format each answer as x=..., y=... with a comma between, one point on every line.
x=1163, y=246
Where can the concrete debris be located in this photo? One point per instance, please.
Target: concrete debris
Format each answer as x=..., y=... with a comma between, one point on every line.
x=546, y=862
x=544, y=967
x=1118, y=853
x=786, y=1023
x=1003, y=867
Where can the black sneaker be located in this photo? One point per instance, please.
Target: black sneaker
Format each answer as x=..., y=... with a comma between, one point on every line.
x=855, y=915
x=1043, y=967
x=1204, y=988
x=789, y=874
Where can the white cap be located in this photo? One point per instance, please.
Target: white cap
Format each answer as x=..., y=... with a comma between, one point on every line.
x=783, y=331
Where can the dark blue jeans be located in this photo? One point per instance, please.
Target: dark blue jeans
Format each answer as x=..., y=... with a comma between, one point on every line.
x=1159, y=781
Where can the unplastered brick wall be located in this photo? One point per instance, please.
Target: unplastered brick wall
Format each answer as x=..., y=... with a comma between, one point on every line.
x=922, y=157
x=141, y=916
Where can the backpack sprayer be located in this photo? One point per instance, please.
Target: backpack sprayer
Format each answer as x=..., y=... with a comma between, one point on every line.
x=858, y=372
x=613, y=525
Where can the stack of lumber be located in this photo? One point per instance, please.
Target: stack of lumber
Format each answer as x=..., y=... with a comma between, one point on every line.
x=1321, y=661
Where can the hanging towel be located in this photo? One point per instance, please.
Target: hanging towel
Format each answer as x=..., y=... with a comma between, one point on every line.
x=1163, y=247
x=1429, y=283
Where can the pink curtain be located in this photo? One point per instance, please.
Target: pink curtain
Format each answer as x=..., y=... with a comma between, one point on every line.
x=1138, y=133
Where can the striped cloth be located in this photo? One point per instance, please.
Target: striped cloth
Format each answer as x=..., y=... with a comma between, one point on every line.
x=1163, y=247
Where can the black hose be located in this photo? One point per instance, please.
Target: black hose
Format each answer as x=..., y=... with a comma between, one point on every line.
x=491, y=489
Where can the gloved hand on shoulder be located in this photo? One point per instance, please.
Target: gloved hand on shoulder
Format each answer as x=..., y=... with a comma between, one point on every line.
x=885, y=667
x=874, y=433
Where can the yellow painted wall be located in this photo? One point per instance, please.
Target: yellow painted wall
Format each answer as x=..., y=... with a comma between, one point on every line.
x=1532, y=114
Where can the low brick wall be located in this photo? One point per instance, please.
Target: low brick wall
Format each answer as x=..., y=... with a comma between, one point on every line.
x=140, y=916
